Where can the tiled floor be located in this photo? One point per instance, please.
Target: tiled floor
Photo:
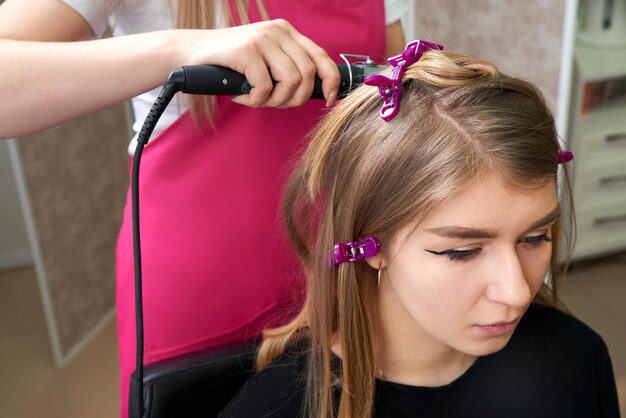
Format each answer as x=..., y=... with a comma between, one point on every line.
x=87, y=387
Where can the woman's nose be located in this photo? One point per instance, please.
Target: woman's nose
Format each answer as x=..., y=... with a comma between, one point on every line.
x=507, y=284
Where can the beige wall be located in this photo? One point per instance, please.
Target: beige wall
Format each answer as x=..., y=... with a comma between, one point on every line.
x=14, y=248
x=75, y=178
x=524, y=38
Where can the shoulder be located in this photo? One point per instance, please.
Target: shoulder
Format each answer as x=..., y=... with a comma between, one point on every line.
x=276, y=391
x=549, y=323
x=560, y=340
x=568, y=357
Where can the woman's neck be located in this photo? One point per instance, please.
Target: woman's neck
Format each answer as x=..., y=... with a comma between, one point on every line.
x=409, y=355
x=429, y=370
x=423, y=369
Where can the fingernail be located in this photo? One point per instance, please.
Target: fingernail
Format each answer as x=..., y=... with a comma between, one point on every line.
x=331, y=100
x=236, y=99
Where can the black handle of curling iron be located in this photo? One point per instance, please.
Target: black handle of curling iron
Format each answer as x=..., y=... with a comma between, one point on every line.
x=216, y=80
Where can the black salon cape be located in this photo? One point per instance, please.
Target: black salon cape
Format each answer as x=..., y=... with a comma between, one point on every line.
x=553, y=366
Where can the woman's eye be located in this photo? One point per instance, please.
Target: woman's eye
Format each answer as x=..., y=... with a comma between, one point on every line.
x=536, y=239
x=457, y=255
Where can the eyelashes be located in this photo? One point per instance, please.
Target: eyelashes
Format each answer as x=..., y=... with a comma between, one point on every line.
x=537, y=239
x=457, y=255
x=466, y=255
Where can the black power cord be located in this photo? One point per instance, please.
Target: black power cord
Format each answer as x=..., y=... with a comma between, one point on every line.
x=170, y=88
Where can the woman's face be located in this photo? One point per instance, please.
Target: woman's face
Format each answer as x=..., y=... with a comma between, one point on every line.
x=466, y=275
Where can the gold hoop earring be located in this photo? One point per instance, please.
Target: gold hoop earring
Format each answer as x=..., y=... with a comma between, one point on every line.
x=380, y=269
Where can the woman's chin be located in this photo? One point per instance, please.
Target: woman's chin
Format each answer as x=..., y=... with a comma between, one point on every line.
x=484, y=347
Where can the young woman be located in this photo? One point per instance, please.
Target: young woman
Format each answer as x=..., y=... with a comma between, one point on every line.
x=431, y=243
x=211, y=178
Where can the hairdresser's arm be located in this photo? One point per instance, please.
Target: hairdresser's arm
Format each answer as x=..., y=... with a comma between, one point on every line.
x=47, y=79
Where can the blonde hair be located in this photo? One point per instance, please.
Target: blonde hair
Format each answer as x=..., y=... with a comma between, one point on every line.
x=201, y=14
x=459, y=119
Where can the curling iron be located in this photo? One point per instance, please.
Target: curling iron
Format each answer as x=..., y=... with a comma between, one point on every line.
x=216, y=80
x=207, y=80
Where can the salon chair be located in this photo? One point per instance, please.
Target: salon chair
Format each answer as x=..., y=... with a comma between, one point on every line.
x=198, y=384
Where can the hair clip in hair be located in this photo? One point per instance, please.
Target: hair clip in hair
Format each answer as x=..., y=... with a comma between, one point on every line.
x=390, y=88
x=349, y=252
x=565, y=156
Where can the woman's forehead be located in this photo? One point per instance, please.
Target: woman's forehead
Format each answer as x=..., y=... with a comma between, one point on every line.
x=493, y=204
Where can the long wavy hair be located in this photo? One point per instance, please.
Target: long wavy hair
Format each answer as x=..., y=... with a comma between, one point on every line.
x=459, y=118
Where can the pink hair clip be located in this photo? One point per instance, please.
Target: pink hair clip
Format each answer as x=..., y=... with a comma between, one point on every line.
x=390, y=88
x=565, y=156
x=350, y=252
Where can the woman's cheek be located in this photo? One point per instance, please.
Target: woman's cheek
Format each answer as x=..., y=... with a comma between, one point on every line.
x=537, y=263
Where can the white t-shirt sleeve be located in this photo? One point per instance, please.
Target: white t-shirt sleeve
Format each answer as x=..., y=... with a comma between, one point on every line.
x=95, y=12
x=395, y=10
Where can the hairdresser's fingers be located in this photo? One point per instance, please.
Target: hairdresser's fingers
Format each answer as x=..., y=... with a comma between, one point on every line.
x=262, y=57
x=256, y=72
x=285, y=72
x=293, y=61
x=325, y=66
x=300, y=82
x=295, y=80
x=289, y=79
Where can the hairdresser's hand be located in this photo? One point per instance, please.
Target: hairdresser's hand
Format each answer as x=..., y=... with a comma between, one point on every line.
x=272, y=49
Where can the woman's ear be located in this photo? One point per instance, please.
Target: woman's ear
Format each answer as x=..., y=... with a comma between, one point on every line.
x=376, y=262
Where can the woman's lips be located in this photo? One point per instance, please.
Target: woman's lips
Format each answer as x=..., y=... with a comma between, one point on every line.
x=498, y=328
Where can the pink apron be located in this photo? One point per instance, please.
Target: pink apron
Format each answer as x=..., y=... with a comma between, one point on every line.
x=217, y=266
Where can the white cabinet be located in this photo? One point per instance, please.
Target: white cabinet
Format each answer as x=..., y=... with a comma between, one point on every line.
x=597, y=136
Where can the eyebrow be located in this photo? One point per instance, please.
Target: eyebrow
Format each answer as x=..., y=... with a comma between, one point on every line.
x=466, y=233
